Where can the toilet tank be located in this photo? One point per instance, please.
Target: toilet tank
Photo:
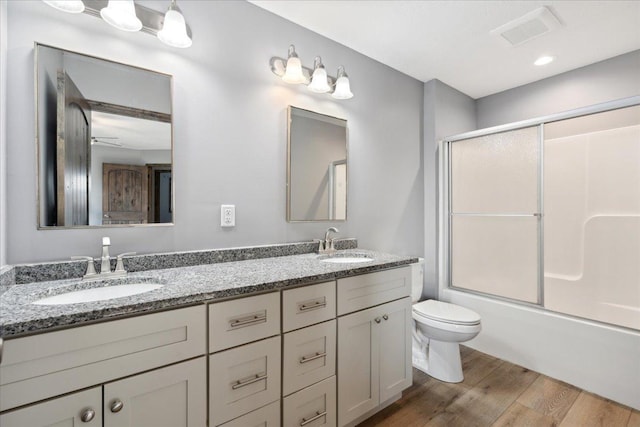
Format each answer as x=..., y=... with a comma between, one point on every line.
x=417, y=280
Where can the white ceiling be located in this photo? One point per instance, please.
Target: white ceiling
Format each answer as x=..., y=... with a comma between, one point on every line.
x=451, y=40
x=118, y=131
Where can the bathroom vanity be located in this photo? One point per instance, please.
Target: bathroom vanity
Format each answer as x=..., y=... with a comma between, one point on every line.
x=285, y=340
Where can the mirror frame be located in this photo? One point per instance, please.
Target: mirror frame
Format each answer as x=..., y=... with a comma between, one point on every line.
x=38, y=149
x=346, y=130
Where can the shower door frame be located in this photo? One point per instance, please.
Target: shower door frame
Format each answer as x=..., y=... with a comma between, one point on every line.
x=445, y=215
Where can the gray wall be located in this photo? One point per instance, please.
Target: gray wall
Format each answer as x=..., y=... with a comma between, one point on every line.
x=230, y=133
x=3, y=133
x=447, y=111
x=615, y=78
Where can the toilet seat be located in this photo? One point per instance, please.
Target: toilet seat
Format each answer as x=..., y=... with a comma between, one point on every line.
x=440, y=311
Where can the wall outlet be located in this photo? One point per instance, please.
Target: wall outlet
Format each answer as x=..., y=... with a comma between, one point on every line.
x=227, y=215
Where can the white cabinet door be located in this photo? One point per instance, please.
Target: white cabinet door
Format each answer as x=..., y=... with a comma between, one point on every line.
x=66, y=411
x=174, y=396
x=243, y=379
x=395, y=348
x=374, y=357
x=358, y=390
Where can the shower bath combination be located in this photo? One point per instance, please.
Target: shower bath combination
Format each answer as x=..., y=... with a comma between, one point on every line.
x=548, y=214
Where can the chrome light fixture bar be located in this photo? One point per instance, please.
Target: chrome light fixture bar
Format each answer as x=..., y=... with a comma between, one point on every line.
x=152, y=21
x=316, y=79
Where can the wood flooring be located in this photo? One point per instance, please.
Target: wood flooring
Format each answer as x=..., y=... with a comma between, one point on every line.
x=496, y=393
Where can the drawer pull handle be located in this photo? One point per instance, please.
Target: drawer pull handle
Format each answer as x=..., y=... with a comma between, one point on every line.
x=116, y=406
x=253, y=379
x=250, y=320
x=318, y=414
x=87, y=415
x=312, y=305
x=306, y=359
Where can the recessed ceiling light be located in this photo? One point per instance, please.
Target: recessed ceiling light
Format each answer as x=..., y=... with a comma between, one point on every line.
x=544, y=60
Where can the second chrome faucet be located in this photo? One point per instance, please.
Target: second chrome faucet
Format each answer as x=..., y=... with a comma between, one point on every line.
x=105, y=264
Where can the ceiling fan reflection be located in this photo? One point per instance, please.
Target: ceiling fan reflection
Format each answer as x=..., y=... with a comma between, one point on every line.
x=99, y=140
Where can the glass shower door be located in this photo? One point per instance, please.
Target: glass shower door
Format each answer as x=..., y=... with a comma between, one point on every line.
x=495, y=214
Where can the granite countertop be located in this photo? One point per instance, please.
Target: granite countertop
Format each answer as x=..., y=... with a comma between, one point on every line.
x=182, y=286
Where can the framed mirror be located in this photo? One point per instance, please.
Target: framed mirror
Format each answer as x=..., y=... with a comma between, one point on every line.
x=104, y=141
x=316, y=167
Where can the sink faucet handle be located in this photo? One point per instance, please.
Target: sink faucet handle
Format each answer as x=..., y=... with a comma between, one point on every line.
x=91, y=269
x=120, y=262
x=106, y=241
x=320, y=245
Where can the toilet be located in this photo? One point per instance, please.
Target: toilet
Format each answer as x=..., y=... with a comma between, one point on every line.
x=438, y=329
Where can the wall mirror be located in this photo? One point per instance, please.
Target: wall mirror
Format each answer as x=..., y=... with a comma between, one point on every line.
x=316, y=167
x=104, y=142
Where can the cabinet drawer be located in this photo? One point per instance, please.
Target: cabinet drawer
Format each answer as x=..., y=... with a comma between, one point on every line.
x=243, y=320
x=243, y=379
x=309, y=356
x=267, y=416
x=359, y=292
x=308, y=305
x=41, y=366
x=312, y=407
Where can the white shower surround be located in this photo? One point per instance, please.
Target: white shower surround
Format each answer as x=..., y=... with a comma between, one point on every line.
x=597, y=357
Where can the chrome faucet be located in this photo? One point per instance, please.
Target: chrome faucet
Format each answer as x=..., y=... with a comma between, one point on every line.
x=105, y=264
x=326, y=246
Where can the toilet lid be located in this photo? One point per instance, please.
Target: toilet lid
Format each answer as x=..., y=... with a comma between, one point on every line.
x=445, y=312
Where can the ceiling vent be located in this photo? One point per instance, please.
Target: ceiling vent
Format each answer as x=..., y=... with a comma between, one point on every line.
x=534, y=24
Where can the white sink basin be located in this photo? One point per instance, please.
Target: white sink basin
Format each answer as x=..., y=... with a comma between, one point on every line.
x=346, y=259
x=99, y=294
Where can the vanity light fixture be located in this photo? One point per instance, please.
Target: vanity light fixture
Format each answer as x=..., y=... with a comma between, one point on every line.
x=70, y=6
x=319, y=82
x=292, y=71
x=174, y=28
x=122, y=15
x=170, y=27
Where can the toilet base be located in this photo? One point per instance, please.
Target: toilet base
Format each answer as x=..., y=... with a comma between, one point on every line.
x=440, y=361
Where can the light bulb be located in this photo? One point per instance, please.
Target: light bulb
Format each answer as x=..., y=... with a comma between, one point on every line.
x=293, y=71
x=544, y=60
x=70, y=6
x=343, y=89
x=319, y=82
x=122, y=15
x=174, y=28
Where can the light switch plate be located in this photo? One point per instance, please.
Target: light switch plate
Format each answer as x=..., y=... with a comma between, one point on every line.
x=227, y=215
